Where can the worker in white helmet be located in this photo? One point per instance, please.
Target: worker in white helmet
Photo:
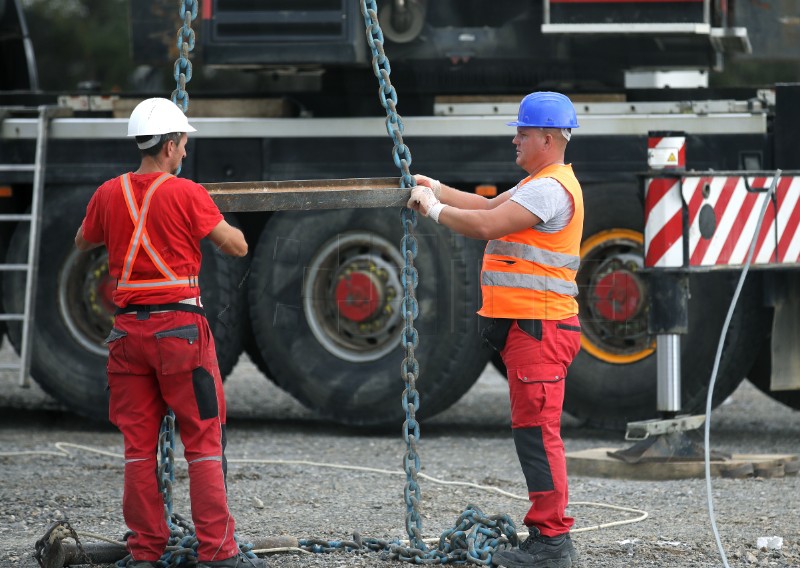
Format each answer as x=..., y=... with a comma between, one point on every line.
x=160, y=351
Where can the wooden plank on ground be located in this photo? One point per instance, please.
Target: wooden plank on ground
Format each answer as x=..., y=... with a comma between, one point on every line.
x=597, y=463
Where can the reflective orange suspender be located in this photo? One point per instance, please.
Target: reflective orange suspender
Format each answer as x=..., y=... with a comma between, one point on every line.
x=140, y=239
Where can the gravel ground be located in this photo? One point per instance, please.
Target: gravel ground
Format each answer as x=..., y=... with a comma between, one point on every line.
x=470, y=442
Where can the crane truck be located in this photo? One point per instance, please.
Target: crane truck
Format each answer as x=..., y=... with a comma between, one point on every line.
x=460, y=68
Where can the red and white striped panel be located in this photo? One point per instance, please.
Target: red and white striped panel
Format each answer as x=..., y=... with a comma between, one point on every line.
x=788, y=237
x=731, y=215
x=736, y=212
x=663, y=225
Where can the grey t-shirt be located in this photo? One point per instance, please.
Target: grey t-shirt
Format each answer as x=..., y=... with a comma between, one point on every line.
x=548, y=200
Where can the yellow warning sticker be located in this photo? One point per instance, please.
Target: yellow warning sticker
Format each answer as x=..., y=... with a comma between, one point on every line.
x=672, y=158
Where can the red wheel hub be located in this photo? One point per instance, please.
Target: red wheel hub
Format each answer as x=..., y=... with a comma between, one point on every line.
x=358, y=296
x=617, y=296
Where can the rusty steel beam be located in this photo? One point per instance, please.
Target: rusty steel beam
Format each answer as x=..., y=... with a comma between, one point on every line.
x=303, y=195
x=69, y=554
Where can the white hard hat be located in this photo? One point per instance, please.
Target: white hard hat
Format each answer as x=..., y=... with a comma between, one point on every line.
x=156, y=116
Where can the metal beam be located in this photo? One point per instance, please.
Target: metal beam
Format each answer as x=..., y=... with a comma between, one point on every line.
x=304, y=195
x=596, y=123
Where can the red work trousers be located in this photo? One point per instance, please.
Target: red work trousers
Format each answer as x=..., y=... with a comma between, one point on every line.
x=169, y=360
x=536, y=361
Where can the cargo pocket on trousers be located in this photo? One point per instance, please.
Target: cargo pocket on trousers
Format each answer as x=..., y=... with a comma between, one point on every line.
x=536, y=397
x=179, y=349
x=117, y=358
x=205, y=393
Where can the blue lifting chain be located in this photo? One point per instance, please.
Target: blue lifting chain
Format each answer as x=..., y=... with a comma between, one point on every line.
x=475, y=536
x=409, y=369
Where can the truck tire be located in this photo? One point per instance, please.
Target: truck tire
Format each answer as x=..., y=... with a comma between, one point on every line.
x=612, y=381
x=74, y=311
x=342, y=358
x=224, y=293
x=252, y=351
x=4, y=239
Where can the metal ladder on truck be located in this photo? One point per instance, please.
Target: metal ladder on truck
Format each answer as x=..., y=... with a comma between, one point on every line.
x=34, y=218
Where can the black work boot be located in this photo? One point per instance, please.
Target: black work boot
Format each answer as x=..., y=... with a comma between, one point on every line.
x=537, y=552
x=573, y=554
x=238, y=561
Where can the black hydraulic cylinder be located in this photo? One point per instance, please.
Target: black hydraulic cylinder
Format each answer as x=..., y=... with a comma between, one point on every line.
x=669, y=302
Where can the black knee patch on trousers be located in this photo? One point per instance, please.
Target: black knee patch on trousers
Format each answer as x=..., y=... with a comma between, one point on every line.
x=533, y=459
x=205, y=393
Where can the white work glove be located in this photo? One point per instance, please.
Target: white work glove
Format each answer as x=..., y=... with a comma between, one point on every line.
x=430, y=182
x=424, y=201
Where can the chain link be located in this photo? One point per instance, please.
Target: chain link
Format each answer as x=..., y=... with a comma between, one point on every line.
x=166, y=467
x=183, y=67
x=48, y=551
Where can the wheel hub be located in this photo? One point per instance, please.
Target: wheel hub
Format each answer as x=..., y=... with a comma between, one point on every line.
x=359, y=296
x=352, y=294
x=613, y=304
x=617, y=296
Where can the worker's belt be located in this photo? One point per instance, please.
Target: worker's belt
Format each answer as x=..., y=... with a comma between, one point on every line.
x=495, y=330
x=143, y=311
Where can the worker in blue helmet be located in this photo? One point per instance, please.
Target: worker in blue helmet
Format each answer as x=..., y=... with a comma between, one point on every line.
x=528, y=284
x=546, y=109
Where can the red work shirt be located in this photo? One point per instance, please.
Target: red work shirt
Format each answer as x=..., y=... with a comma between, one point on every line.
x=181, y=214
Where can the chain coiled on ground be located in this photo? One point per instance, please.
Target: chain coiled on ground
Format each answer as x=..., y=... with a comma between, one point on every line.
x=473, y=539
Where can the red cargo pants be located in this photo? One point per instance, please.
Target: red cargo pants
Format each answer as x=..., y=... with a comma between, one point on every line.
x=536, y=364
x=169, y=360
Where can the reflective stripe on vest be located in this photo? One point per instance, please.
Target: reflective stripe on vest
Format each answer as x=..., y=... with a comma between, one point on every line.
x=528, y=252
x=530, y=274
x=140, y=239
x=529, y=282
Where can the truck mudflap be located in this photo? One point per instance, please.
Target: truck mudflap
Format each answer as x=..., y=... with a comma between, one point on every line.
x=780, y=381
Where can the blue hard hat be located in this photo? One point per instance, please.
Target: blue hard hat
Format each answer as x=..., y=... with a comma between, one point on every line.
x=546, y=109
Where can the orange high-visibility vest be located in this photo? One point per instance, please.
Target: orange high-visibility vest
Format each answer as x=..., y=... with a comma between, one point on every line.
x=140, y=239
x=530, y=274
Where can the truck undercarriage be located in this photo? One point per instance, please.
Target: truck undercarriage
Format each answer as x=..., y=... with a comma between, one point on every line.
x=461, y=71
